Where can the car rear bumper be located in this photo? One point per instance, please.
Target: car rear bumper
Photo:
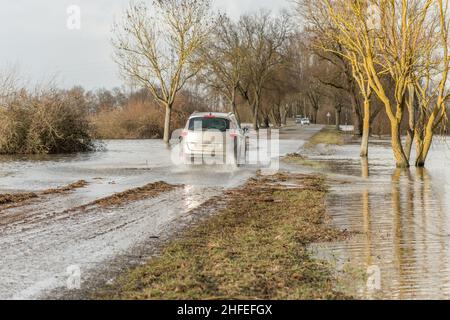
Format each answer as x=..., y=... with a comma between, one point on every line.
x=204, y=151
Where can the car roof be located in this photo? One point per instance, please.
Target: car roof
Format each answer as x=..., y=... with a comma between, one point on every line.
x=215, y=114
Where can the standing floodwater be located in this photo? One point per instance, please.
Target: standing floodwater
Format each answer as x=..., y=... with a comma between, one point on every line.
x=402, y=224
x=42, y=238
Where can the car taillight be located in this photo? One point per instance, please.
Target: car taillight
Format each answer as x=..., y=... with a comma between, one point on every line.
x=233, y=134
x=185, y=133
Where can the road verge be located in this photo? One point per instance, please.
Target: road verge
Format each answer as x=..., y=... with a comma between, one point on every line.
x=254, y=248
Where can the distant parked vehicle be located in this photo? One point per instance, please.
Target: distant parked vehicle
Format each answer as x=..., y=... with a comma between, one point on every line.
x=305, y=122
x=216, y=135
x=302, y=121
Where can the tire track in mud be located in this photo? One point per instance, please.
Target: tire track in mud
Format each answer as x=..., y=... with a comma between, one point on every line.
x=37, y=250
x=27, y=214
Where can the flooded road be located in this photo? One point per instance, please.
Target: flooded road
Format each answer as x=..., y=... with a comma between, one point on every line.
x=47, y=241
x=401, y=249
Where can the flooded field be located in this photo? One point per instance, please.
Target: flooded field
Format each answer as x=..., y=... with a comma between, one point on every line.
x=45, y=237
x=401, y=249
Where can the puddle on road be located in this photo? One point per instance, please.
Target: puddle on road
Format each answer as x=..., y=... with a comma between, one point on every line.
x=401, y=249
x=48, y=237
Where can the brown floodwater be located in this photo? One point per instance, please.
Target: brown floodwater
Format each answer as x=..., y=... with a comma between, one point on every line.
x=401, y=221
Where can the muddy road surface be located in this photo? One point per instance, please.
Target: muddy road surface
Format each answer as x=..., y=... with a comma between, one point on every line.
x=61, y=239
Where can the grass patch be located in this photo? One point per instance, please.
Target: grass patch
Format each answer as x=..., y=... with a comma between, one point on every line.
x=71, y=187
x=327, y=136
x=296, y=158
x=15, y=199
x=6, y=199
x=255, y=248
x=148, y=191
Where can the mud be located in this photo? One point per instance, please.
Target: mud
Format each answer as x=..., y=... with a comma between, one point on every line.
x=149, y=191
x=16, y=199
x=43, y=237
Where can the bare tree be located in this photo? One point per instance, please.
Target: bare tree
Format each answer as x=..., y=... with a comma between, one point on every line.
x=431, y=82
x=224, y=60
x=327, y=44
x=282, y=89
x=397, y=47
x=263, y=36
x=156, y=46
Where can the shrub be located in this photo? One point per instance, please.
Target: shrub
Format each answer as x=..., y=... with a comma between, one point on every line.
x=136, y=120
x=47, y=122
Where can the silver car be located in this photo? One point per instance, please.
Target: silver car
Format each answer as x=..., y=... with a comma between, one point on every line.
x=215, y=138
x=305, y=122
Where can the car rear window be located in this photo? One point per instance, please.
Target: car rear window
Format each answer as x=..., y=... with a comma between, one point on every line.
x=218, y=124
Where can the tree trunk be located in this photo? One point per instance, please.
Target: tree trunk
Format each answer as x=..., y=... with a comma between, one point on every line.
x=315, y=112
x=366, y=130
x=397, y=148
x=420, y=161
x=426, y=146
x=167, y=119
x=256, y=113
x=284, y=114
x=234, y=106
x=412, y=122
x=357, y=119
x=338, y=119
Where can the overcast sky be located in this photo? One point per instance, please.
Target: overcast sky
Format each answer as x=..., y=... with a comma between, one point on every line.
x=34, y=36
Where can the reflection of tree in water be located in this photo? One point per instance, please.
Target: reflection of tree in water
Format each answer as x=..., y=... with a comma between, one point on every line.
x=404, y=231
x=403, y=226
x=414, y=267
x=367, y=224
x=418, y=265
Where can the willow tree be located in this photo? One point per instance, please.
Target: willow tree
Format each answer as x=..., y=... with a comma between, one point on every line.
x=156, y=46
x=397, y=47
x=431, y=81
x=328, y=43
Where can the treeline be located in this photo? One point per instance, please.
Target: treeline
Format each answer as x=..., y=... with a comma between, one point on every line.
x=338, y=66
x=50, y=120
x=258, y=66
x=393, y=52
x=136, y=115
x=263, y=66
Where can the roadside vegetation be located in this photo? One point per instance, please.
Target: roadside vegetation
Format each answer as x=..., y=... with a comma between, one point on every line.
x=382, y=68
x=44, y=122
x=255, y=248
x=327, y=136
x=9, y=200
x=120, y=115
x=148, y=191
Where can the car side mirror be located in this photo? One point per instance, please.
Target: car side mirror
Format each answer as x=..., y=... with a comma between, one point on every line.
x=246, y=130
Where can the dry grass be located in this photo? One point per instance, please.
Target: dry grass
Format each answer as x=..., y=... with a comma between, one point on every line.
x=297, y=158
x=148, y=191
x=15, y=199
x=327, y=136
x=73, y=186
x=136, y=120
x=6, y=199
x=256, y=248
